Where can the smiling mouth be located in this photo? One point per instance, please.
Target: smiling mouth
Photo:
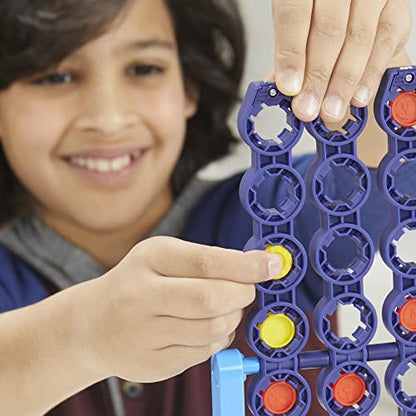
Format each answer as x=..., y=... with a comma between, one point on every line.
x=107, y=165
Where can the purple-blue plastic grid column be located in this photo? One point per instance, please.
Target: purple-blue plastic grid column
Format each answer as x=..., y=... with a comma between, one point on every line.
x=275, y=304
x=395, y=111
x=348, y=386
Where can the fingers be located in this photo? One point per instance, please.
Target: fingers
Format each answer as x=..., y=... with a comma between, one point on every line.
x=349, y=45
x=186, y=356
x=199, y=298
x=184, y=259
x=352, y=61
x=390, y=40
x=326, y=37
x=292, y=21
x=197, y=332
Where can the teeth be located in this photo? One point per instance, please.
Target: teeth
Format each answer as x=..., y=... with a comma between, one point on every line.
x=106, y=165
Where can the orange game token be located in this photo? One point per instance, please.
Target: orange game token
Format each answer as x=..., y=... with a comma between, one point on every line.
x=403, y=109
x=349, y=389
x=407, y=315
x=279, y=398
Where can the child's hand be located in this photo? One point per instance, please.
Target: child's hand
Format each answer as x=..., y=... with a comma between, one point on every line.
x=332, y=52
x=170, y=305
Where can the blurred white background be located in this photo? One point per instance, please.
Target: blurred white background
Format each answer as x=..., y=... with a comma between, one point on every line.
x=378, y=282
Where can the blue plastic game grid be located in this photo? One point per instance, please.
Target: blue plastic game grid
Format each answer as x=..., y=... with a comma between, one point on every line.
x=276, y=328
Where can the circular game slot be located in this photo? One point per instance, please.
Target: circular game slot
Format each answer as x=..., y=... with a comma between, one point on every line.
x=348, y=132
x=267, y=119
x=350, y=389
x=343, y=245
x=363, y=332
x=294, y=262
x=274, y=194
x=398, y=249
x=283, y=392
x=396, y=183
x=399, y=313
x=343, y=254
x=398, y=382
x=408, y=381
x=263, y=109
x=277, y=332
x=407, y=170
x=340, y=185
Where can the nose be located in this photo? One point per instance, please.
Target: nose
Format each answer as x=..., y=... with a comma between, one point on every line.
x=105, y=110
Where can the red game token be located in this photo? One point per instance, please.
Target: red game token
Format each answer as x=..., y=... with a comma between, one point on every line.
x=403, y=109
x=407, y=315
x=349, y=389
x=279, y=398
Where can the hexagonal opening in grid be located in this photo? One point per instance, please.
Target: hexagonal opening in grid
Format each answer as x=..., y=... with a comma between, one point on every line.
x=405, y=246
x=270, y=122
x=408, y=380
x=348, y=183
x=402, y=184
x=349, y=319
x=346, y=246
x=266, y=194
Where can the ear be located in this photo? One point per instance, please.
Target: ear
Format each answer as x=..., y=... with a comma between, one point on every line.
x=192, y=93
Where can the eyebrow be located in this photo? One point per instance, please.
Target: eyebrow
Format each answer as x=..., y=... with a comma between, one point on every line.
x=151, y=43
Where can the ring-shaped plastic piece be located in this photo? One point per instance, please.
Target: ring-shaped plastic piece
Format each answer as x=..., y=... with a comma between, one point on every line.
x=287, y=344
x=388, y=249
x=352, y=128
x=327, y=382
x=299, y=262
x=266, y=93
x=254, y=180
x=360, y=185
x=260, y=383
x=393, y=85
x=394, y=373
x=357, y=267
x=387, y=174
x=398, y=315
x=361, y=336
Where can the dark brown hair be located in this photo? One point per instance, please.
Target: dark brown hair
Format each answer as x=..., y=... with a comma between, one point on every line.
x=36, y=35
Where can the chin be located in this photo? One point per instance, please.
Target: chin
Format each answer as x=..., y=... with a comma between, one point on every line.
x=110, y=224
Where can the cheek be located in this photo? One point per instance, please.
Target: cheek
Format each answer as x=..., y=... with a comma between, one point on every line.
x=168, y=118
x=37, y=129
x=29, y=144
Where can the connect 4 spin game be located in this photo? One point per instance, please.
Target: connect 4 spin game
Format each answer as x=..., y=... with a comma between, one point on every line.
x=276, y=328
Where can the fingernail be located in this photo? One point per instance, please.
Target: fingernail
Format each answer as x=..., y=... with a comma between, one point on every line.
x=362, y=94
x=308, y=105
x=290, y=81
x=334, y=107
x=275, y=266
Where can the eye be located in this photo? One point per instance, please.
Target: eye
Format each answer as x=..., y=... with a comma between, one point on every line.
x=55, y=78
x=144, y=70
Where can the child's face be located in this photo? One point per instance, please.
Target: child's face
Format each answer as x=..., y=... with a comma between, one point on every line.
x=96, y=140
